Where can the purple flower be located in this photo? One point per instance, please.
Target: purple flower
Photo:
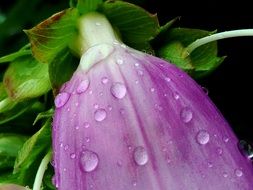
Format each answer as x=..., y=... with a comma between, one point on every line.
x=131, y=121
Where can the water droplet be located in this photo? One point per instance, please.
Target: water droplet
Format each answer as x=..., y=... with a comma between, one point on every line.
x=136, y=64
x=167, y=79
x=89, y=161
x=238, y=172
x=246, y=149
x=95, y=106
x=66, y=147
x=209, y=164
x=73, y=156
x=220, y=151
x=225, y=174
x=86, y=125
x=205, y=90
x=118, y=90
x=87, y=139
x=77, y=127
x=61, y=144
x=98, y=24
x=140, y=72
x=83, y=86
x=119, y=61
x=100, y=114
x=90, y=92
x=140, y=156
x=54, y=181
x=61, y=99
x=134, y=183
x=104, y=80
x=225, y=139
x=176, y=96
x=186, y=114
x=123, y=45
x=109, y=108
x=64, y=169
x=203, y=137
x=136, y=82
x=152, y=89
x=77, y=104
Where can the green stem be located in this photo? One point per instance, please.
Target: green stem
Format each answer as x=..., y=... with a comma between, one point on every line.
x=218, y=36
x=41, y=171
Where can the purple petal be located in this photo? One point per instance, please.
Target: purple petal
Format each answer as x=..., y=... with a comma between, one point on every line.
x=134, y=121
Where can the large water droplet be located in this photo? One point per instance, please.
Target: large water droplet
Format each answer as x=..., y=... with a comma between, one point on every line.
x=83, y=86
x=140, y=155
x=186, y=114
x=203, y=137
x=100, y=114
x=104, y=80
x=61, y=99
x=118, y=90
x=89, y=161
x=238, y=172
x=246, y=149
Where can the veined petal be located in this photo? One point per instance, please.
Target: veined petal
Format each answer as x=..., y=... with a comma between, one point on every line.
x=133, y=121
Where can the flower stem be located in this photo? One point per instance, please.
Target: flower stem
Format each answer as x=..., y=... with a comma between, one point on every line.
x=218, y=36
x=41, y=171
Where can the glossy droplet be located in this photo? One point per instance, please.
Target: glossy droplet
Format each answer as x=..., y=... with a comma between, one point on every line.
x=73, y=156
x=89, y=161
x=225, y=174
x=246, y=149
x=119, y=61
x=209, y=164
x=61, y=99
x=186, y=114
x=118, y=90
x=238, y=172
x=225, y=139
x=95, y=106
x=83, y=86
x=140, y=72
x=104, y=80
x=100, y=114
x=203, y=137
x=98, y=24
x=152, y=89
x=167, y=79
x=205, y=90
x=219, y=151
x=66, y=147
x=140, y=156
x=86, y=125
x=176, y=96
x=136, y=64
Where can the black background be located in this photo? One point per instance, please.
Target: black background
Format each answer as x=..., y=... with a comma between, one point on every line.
x=230, y=86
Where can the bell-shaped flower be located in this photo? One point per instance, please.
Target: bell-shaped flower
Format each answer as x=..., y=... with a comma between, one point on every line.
x=131, y=121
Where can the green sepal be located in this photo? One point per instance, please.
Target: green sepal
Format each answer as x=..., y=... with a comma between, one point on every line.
x=86, y=6
x=53, y=34
x=10, y=144
x=200, y=62
x=26, y=78
x=136, y=26
x=31, y=153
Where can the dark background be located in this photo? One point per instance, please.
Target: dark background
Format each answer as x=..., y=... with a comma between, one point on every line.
x=230, y=86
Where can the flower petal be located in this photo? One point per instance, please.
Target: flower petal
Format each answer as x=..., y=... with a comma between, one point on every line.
x=141, y=123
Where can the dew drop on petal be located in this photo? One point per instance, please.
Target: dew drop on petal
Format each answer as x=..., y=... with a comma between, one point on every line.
x=118, y=90
x=186, y=114
x=225, y=174
x=176, y=96
x=225, y=139
x=104, y=80
x=246, y=149
x=136, y=64
x=167, y=79
x=140, y=156
x=119, y=61
x=219, y=151
x=89, y=161
x=209, y=164
x=66, y=147
x=83, y=86
x=203, y=137
x=140, y=72
x=86, y=125
x=100, y=114
x=238, y=172
x=73, y=156
x=61, y=99
x=152, y=89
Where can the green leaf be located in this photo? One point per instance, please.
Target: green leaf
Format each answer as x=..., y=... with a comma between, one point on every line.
x=44, y=115
x=200, y=62
x=85, y=6
x=10, y=110
x=13, y=56
x=53, y=35
x=29, y=157
x=26, y=78
x=136, y=25
x=10, y=144
x=47, y=179
x=62, y=68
